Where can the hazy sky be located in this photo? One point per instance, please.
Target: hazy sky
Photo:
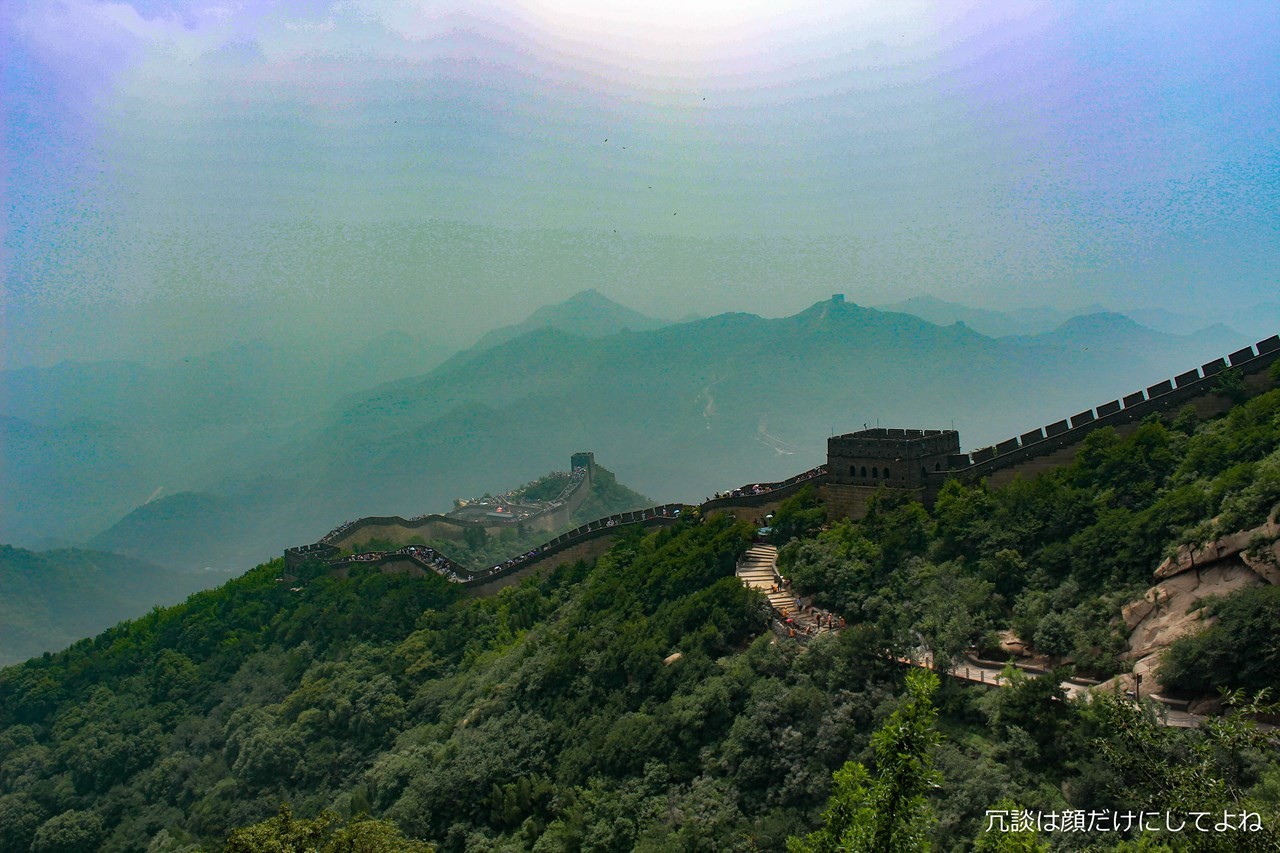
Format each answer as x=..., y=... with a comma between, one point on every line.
x=178, y=173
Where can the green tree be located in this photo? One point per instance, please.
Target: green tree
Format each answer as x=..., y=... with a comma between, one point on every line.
x=1230, y=383
x=323, y=834
x=1162, y=768
x=69, y=832
x=475, y=538
x=888, y=813
x=20, y=817
x=800, y=515
x=1240, y=650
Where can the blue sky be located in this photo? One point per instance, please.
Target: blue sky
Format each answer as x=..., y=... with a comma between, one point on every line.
x=179, y=174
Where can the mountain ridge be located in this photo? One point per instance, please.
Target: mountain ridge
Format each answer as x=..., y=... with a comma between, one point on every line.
x=588, y=313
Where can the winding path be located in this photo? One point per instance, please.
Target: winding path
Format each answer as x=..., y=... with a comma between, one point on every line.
x=758, y=570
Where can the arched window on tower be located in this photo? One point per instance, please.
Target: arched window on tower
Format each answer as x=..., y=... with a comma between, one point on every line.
x=853, y=470
x=886, y=473
x=864, y=470
x=937, y=466
x=875, y=473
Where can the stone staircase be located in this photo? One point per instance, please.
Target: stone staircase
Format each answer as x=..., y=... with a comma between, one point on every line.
x=758, y=570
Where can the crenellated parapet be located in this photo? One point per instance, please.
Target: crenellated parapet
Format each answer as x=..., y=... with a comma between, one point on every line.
x=1197, y=388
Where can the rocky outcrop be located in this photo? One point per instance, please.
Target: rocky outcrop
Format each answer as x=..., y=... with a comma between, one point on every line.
x=1169, y=610
x=1258, y=548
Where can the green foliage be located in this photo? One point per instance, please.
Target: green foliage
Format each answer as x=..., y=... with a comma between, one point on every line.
x=967, y=521
x=888, y=813
x=802, y=514
x=20, y=816
x=70, y=832
x=400, y=696
x=324, y=833
x=1166, y=769
x=1230, y=383
x=474, y=538
x=1253, y=498
x=949, y=610
x=544, y=488
x=547, y=717
x=607, y=496
x=1241, y=650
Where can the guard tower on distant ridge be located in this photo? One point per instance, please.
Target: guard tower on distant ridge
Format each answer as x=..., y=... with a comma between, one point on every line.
x=585, y=459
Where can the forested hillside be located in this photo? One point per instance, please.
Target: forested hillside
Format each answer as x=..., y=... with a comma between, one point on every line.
x=557, y=715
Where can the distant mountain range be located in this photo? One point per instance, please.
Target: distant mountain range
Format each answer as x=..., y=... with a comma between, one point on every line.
x=679, y=410
x=54, y=598
x=994, y=324
x=1256, y=322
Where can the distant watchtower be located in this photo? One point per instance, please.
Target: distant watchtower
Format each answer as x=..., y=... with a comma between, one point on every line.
x=585, y=459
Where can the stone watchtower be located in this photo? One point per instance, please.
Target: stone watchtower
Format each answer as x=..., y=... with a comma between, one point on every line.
x=585, y=459
x=904, y=460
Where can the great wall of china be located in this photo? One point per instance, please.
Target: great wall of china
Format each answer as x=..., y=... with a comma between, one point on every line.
x=859, y=465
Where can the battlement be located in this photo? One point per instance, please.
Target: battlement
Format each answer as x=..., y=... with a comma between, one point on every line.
x=1197, y=387
x=897, y=458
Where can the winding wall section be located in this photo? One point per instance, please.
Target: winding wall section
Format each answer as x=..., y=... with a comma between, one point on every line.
x=1026, y=454
x=1197, y=388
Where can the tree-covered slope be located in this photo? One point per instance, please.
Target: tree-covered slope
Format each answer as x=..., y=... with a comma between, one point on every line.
x=1056, y=556
x=199, y=718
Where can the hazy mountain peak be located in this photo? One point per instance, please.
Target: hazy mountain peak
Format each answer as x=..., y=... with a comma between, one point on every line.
x=996, y=324
x=1110, y=322
x=588, y=313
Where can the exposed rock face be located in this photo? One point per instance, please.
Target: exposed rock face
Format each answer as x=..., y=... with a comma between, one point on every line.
x=1243, y=541
x=1165, y=613
x=1012, y=646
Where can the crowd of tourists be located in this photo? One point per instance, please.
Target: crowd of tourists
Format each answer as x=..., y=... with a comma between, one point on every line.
x=427, y=557
x=336, y=533
x=800, y=617
x=765, y=488
x=451, y=571
x=521, y=507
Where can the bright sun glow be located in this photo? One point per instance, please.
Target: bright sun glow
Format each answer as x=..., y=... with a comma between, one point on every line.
x=666, y=14
x=646, y=20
